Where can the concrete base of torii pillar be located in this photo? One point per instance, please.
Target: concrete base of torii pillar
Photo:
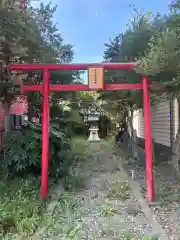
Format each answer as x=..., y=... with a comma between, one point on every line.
x=93, y=136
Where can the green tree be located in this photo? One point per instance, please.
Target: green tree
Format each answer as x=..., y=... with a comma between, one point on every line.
x=162, y=62
x=28, y=36
x=131, y=46
x=162, y=59
x=127, y=47
x=14, y=30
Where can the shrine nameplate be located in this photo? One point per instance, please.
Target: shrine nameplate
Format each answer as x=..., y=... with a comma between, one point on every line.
x=96, y=78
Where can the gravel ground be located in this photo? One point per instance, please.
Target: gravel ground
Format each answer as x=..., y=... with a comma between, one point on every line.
x=105, y=209
x=167, y=188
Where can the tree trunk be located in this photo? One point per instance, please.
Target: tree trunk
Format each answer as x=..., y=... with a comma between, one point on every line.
x=30, y=111
x=6, y=114
x=132, y=143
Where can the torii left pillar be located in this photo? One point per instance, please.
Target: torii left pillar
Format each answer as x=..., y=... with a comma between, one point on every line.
x=45, y=134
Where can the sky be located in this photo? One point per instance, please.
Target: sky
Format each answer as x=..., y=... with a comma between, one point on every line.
x=89, y=24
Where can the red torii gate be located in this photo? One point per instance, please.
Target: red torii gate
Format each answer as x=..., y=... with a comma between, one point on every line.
x=96, y=82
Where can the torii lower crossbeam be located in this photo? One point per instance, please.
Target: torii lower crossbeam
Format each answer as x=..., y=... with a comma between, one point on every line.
x=46, y=88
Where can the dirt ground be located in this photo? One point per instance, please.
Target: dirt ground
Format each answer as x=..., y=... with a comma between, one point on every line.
x=103, y=208
x=166, y=207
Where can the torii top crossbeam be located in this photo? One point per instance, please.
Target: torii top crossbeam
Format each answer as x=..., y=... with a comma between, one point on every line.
x=73, y=67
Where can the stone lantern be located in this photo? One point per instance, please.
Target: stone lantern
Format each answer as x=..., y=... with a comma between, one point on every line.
x=93, y=134
x=93, y=118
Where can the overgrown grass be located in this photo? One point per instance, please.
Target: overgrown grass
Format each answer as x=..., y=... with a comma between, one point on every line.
x=153, y=237
x=74, y=181
x=108, y=231
x=67, y=219
x=109, y=143
x=79, y=146
x=21, y=208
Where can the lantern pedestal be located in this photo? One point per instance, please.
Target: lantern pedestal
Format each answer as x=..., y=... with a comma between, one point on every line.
x=93, y=136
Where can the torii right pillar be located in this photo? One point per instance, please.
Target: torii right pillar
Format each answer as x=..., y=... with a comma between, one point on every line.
x=148, y=139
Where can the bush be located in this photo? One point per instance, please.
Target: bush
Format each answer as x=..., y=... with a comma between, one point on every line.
x=23, y=151
x=21, y=209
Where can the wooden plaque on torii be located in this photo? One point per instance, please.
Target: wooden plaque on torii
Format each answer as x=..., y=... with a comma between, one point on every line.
x=96, y=78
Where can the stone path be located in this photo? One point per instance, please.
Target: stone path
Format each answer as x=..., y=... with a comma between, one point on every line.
x=105, y=209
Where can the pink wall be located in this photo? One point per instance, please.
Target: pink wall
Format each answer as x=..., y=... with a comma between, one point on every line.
x=19, y=107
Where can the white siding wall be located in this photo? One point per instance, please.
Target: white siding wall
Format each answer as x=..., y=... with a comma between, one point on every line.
x=176, y=118
x=138, y=123
x=160, y=119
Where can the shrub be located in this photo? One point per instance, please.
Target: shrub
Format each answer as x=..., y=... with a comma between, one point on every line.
x=23, y=151
x=21, y=209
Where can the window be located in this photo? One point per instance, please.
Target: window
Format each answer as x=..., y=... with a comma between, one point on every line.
x=15, y=122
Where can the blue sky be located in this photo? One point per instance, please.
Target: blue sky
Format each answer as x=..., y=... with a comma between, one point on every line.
x=89, y=24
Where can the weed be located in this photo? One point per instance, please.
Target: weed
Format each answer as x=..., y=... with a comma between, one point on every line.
x=108, y=210
x=125, y=236
x=119, y=189
x=154, y=237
